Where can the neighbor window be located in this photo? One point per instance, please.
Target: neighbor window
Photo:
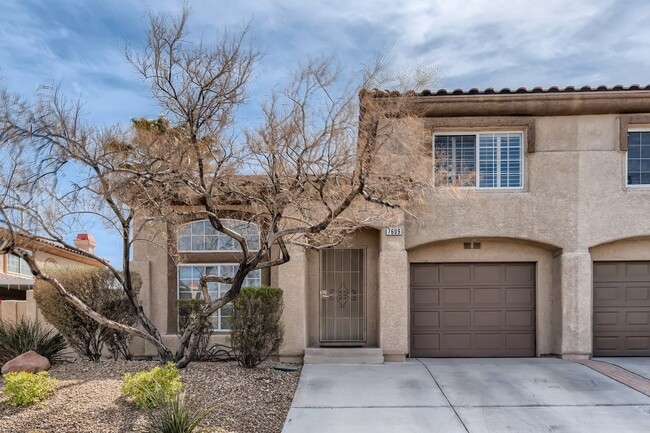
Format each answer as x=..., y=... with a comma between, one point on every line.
x=188, y=287
x=16, y=265
x=201, y=236
x=483, y=160
x=638, y=158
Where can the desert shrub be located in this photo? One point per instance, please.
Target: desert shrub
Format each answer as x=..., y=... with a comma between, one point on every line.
x=148, y=388
x=24, y=389
x=98, y=289
x=24, y=335
x=256, y=325
x=175, y=415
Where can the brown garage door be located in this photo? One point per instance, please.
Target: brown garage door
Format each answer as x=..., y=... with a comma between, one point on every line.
x=621, y=309
x=473, y=309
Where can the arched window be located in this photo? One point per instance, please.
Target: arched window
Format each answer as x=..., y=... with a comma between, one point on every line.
x=201, y=236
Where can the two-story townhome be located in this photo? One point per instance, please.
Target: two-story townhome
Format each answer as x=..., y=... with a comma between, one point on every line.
x=535, y=241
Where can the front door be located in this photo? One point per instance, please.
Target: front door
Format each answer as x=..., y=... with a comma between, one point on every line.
x=342, y=296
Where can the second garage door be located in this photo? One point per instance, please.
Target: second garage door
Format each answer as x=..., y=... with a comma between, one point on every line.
x=472, y=310
x=621, y=309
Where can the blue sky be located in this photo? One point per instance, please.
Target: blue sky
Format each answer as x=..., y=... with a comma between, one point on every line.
x=474, y=43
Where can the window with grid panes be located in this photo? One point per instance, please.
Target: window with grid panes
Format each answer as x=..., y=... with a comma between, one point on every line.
x=189, y=276
x=482, y=160
x=638, y=158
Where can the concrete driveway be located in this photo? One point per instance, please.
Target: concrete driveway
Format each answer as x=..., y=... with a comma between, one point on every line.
x=465, y=395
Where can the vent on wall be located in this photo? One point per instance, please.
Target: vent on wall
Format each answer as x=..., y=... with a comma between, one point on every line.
x=472, y=245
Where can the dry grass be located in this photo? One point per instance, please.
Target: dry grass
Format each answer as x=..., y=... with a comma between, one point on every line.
x=88, y=399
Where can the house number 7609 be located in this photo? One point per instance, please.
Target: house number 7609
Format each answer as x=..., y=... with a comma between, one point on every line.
x=393, y=231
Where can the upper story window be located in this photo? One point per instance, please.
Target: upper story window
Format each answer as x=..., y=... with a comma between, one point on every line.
x=482, y=160
x=17, y=265
x=638, y=157
x=202, y=237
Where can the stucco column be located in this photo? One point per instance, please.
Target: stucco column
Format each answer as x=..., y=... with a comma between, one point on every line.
x=292, y=279
x=576, y=274
x=143, y=268
x=393, y=297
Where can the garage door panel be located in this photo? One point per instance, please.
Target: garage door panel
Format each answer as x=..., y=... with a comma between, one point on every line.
x=621, y=316
x=521, y=274
x=520, y=319
x=483, y=310
x=637, y=294
x=488, y=319
x=456, y=342
x=426, y=342
x=519, y=296
x=606, y=294
x=637, y=271
x=524, y=341
x=424, y=275
x=425, y=320
x=456, y=297
x=455, y=319
x=487, y=296
x=425, y=297
x=488, y=274
x=489, y=341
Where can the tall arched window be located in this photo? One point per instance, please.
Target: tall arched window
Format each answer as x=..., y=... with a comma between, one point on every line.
x=200, y=236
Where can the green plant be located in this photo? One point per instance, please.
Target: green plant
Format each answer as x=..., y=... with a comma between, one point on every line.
x=98, y=289
x=256, y=326
x=19, y=337
x=148, y=388
x=175, y=415
x=24, y=389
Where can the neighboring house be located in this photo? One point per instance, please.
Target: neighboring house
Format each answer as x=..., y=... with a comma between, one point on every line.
x=536, y=241
x=15, y=276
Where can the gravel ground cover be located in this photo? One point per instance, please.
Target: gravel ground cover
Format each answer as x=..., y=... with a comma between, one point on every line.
x=88, y=399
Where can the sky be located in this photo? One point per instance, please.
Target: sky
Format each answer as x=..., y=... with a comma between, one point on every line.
x=473, y=43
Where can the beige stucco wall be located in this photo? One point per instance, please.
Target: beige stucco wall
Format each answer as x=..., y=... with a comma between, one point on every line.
x=574, y=198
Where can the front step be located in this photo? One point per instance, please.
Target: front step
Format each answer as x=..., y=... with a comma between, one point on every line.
x=344, y=355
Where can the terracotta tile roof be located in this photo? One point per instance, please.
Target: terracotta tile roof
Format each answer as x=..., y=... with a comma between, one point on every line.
x=508, y=91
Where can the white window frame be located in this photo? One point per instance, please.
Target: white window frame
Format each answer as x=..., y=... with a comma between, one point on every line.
x=178, y=237
x=205, y=265
x=522, y=155
x=628, y=185
x=20, y=262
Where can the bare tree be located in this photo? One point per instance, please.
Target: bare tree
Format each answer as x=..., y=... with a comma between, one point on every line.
x=327, y=159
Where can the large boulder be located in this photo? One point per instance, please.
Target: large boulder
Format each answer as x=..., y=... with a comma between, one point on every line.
x=30, y=362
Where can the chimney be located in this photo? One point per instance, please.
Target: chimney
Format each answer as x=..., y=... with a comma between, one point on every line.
x=86, y=242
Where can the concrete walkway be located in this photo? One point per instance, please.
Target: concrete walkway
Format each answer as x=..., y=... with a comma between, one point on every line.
x=464, y=395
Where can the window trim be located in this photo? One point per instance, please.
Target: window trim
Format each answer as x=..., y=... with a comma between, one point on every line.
x=192, y=265
x=476, y=133
x=178, y=236
x=627, y=150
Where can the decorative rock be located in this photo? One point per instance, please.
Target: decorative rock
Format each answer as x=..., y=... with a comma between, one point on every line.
x=30, y=362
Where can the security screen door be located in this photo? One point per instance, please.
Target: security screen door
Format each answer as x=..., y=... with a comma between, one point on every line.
x=342, y=296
